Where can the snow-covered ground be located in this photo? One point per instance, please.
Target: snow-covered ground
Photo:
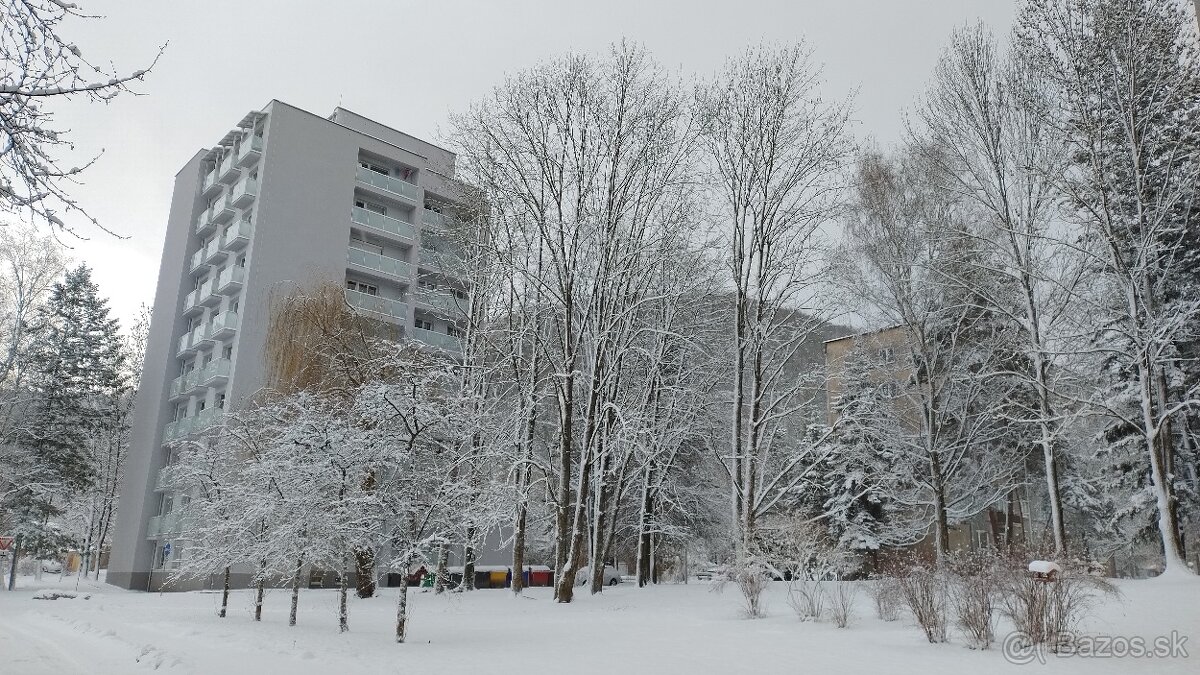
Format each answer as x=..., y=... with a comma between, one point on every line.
x=667, y=629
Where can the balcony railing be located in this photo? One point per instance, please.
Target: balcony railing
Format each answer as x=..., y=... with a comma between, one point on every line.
x=204, y=221
x=436, y=220
x=213, y=251
x=237, y=235
x=228, y=172
x=379, y=263
x=163, y=525
x=231, y=279
x=198, y=261
x=442, y=302
x=217, y=369
x=209, y=182
x=250, y=150
x=206, y=419
x=167, y=477
x=445, y=341
x=439, y=261
x=393, y=310
x=381, y=223
x=223, y=325
x=245, y=192
x=189, y=341
x=191, y=303
x=183, y=384
x=208, y=292
x=389, y=184
x=178, y=429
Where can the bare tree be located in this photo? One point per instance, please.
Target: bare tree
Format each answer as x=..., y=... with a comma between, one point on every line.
x=776, y=153
x=986, y=121
x=40, y=67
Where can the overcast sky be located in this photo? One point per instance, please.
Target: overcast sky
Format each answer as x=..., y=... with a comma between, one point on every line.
x=408, y=64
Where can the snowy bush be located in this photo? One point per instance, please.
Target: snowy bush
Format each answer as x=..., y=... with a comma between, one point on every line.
x=924, y=593
x=976, y=577
x=841, y=603
x=807, y=599
x=885, y=591
x=1047, y=611
x=752, y=578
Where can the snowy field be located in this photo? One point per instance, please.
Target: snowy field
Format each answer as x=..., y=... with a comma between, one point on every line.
x=668, y=629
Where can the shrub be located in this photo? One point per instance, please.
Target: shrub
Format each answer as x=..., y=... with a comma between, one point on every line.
x=885, y=591
x=841, y=606
x=1046, y=612
x=924, y=593
x=807, y=599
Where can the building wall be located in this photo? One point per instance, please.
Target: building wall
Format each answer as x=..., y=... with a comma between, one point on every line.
x=131, y=551
x=301, y=236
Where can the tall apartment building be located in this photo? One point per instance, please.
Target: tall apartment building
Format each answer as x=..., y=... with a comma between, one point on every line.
x=286, y=198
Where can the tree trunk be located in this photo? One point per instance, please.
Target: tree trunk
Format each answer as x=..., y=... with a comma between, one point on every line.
x=441, y=576
x=518, y=556
x=468, y=582
x=402, y=613
x=224, y=594
x=343, y=624
x=258, y=599
x=295, y=591
x=12, y=565
x=364, y=579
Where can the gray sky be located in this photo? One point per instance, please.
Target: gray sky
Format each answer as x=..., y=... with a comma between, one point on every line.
x=408, y=64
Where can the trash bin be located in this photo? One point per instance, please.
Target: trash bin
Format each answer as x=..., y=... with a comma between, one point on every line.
x=541, y=577
x=427, y=580
x=498, y=578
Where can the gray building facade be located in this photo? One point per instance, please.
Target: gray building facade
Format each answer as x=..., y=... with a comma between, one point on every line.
x=287, y=198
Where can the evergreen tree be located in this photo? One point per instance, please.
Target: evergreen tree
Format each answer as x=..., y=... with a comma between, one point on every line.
x=76, y=380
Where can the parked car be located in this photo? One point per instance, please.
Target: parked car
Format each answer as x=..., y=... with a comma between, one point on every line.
x=52, y=566
x=611, y=576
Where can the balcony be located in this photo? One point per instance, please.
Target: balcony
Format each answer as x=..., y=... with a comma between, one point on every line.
x=442, y=303
x=191, y=303
x=177, y=429
x=245, y=192
x=394, y=187
x=215, y=373
x=436, y=220
x=228, y=171
x=206, y=419
x=163, y=525
x=198, y=264
x=183, y=384
x=188, y=342
x=238, y=235
x=443, y=263
x=394, y=311
x=250, y=150
x=210, y=186
x=167, y=479
x=204, y=222
x=231, y=280
x=379, y=264
x=223, y=325
x=386, y=225
x=213, y=253
x=208, y=293
x=223, y=210
x=450, y=343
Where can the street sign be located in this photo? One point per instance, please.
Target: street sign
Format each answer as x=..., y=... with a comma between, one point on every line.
x=6, y=543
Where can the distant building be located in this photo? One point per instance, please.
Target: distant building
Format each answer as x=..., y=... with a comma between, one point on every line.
x=887, y=363
x=285, y=198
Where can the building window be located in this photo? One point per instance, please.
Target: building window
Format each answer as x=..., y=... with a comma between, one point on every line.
x=361, y=287
x=887, y=355
x=371, y=206
x=426, y=284
x=227, y=352
x=453, y=331
x=374, y=167
x=200, y=406
x=221, y=400
x=424, y=325
x=460, y=294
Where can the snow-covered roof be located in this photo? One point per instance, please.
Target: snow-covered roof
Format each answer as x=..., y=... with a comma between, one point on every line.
x=1043, y=567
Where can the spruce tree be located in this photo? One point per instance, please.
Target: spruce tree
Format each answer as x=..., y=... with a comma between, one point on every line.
x=76, y=378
